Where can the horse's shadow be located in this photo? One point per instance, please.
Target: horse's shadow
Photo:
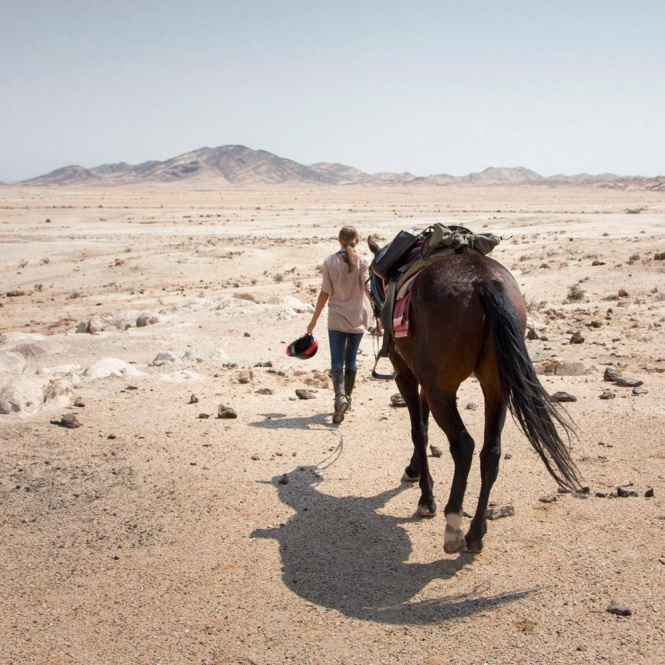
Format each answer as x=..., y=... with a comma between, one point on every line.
x=340, y=553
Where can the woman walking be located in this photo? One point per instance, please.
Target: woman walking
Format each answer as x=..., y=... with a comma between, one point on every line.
x=345, y=275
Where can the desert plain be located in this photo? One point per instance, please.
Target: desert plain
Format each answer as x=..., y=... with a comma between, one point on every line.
x=155, y=532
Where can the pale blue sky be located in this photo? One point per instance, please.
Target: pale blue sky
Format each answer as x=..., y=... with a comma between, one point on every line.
x=427, y=86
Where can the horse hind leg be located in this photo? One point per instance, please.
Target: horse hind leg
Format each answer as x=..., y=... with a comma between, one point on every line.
x=490, y=455
x=418, y=468
x=444, y=410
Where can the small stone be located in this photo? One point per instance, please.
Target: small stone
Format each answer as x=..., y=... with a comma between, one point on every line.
x=627, y=382
x=112, y=436
x=436, y=451
x=508, y=456
x=640, y=391
x=620, y=610
x=548, y=498
x=226, y=412
x=649, y=493
x=495, y=512
x=204, y=415
x=471, y=406
x=284, y=480
x=611, y=374
x=597, y=262
x=303, y=393
x=532, y=334
x=68, y=420
x=625, y=493
x=264, y=391
x=601, y=495
x=577, y=338
x=596, y=324
x=256, y=457
x=397, y=400
x=607, y=394
x=79, y=402
x=193, y=399
x=564, y=397
x=247, y=334
x=245, y=376
x=623, y=293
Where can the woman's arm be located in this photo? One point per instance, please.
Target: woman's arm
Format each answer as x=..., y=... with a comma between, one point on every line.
x=318, y=308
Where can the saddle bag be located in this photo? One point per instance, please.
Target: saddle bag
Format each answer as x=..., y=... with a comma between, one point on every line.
x=392, y=256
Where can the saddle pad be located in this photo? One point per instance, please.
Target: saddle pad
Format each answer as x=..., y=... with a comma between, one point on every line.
x=401, y=316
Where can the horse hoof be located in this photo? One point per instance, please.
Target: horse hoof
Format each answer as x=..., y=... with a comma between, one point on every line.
x=410, y=479
x=427, y=511
x=453, y=546
x=474, y=547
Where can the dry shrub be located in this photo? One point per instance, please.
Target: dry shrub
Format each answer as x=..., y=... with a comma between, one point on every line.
x=575, y=293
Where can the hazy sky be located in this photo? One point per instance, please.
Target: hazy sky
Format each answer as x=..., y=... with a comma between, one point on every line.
x=426, y=86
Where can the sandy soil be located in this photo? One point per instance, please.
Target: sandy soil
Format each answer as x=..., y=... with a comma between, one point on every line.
x=152, y=535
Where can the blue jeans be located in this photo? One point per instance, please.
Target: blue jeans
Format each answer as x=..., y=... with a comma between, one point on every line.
x=344, y=349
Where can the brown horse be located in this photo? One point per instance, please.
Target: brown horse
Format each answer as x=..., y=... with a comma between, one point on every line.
x=468, y=317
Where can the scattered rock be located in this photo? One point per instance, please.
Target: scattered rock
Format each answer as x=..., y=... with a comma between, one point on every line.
x=607, y=394
x=146, y=319
x=532, y=334
x=508, y=456
x=567, y=368
x=68, y=420
x=436, y=451
x=577, y=338
x=204, y=415
x=112, y=436
x=596, y=324
x=622, y=293
x=226, y=412
x=627, y=382
x=11, y=363
x=110, y=367
x=597, y=262
x=648, y=494
x=79, y=402
x=22, y=395
x=495, y=511
x=397, y=400
x=245, y=376
x=265, y=391
x=563, y=397
x=611, y=374
x=302, y=393
x=256, y=457
x=471, y=406
x=620, y=610
x=640, y=391
x=193, y=399
x=548, y=498
x=284, y=480
x=625, y=493
x=164, y=358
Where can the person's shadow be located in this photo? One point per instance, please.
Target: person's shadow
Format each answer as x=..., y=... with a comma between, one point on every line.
x=340, y=553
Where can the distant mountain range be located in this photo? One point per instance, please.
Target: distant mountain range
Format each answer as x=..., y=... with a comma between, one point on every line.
x=238, y=165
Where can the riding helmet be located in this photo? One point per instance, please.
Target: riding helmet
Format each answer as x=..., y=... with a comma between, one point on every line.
x=304, y=347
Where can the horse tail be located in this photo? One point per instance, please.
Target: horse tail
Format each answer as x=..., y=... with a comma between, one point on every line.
x=530, y=404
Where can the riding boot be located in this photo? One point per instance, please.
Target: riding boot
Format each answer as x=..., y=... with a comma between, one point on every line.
x=341, y=400
x=349, y=382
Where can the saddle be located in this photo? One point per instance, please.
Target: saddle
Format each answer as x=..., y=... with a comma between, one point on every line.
x=403, y=258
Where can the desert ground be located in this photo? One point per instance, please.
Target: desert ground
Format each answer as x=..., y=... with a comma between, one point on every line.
x=152, y=534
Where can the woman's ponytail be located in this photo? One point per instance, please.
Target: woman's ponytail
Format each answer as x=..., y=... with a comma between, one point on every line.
x=348, y=238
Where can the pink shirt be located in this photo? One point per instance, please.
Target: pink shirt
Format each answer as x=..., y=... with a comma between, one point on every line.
x=348, y=306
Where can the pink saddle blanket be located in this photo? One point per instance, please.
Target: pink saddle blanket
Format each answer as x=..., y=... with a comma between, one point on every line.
x=401, y=316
